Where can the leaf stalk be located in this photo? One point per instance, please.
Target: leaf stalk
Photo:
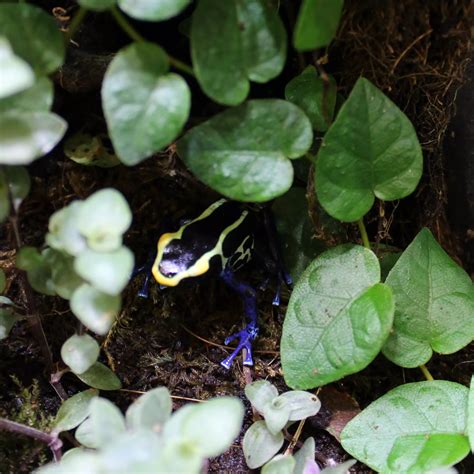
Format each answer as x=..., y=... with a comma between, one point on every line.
x=363, y=233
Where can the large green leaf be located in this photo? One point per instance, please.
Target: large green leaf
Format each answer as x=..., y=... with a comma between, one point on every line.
x=317, y=23
x=234, y=42
x=25, y=136
x=315, y=96
x=397, y=427
x=156, y=10
x=338, y=318
x=435, y=304
x=33, y=35
x=243, y=152
x=37, y=98
x=17, y=75
x=145, y=106
x=295, y=231
x=371, y=150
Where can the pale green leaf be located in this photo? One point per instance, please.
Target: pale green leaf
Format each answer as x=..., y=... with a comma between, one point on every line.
x=80, y=352
x=260, y=393
x=7, y=320
x=280, y=464
x=301, y=404
x=74, y=410
x=19, y=184
x=414, y=409
x=101, y=377
x=304, y=458
x=371, y=150
x=145, y=106
x=243, y=153
x=156, y=10
x=435, y=304
x=276, y=414
x=37, y=98
x=470, y=415
x=260, y=445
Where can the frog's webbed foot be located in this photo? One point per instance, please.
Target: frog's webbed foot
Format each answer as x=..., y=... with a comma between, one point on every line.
x=245, y=336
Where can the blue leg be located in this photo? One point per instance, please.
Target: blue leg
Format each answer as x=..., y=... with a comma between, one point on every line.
x=145, y=268
x=249, y=333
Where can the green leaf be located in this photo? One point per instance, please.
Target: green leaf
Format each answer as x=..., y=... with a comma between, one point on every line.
x=276, y=414
x=37, y=98
x=97, y=5
x=17, y=75
x=3, y=281
x=243, y=152
x=64, y=279
x=316, y=97
x=37, y=268
x=235, y=42
x=301, y=404
x=338, y=318
x=435, y=304
x=470, y=415
x=95, y=309
x=371, y=150
x=260, y=445
x=260, y=393
x=344, y=468
x=19, y=184
x=103, y=217
x=7, y=320
x=157, y=10
x=280, y=464
x=304, y=458
x=145, y=106
x=151, y=410
x=80, y=352
x=74, y=410
x=420, y=453
x=420, y=409
x=317, y=23
x=101, y=377
x=104, y=425
x=295, y=231
x=4, y=197
x=33, y=35
x=64, y=232
x=108, y=272
x=25, y=136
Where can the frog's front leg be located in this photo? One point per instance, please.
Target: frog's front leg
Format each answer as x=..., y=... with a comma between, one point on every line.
x=249, y=333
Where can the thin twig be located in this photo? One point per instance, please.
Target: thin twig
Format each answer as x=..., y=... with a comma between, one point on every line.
x=296, y=436
x=405, y=51
x=75, y=24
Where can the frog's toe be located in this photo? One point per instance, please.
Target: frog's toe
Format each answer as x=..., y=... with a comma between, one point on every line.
x=246, y=336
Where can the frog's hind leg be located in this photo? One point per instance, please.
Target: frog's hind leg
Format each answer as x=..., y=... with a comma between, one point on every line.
x=249, y=333
x=144, y=291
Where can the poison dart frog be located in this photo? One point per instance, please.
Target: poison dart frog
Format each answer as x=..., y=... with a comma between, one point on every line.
x=221, y=240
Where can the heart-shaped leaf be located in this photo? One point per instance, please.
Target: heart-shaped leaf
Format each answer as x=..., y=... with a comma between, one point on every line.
x=371, y=150
x=37, y=98
x=145, y=106
x=74, y=410
x=235, y=42
x=338, y=318
x=435, y=304
x=260, y=445
x=95, y=309
x=17, y=75
x=157, y=10
x=295, y=231
x=315, y=96
x=101, y=377
x=397, y=427
x=280, y=464
x=25, y=136
x=80, y=352
x=151, y=410
x=33, y=35
x=243, y=152
x=108, y=272
x=317, y=23
x=102, y=218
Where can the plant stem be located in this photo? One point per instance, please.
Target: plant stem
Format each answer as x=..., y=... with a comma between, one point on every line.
x=363, y=233
x=426, y=372
x=296, y=436
x=54, y=443
x=136, y=36
x=75, y=24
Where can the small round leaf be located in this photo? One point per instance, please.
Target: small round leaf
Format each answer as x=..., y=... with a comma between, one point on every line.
x=145, y=106
x=25, y=136
x=80, y=352
x=95, y=309
x=108, y=272
x=260, y=445
x=243, y=153
x=101, y=377
x=157, y=10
